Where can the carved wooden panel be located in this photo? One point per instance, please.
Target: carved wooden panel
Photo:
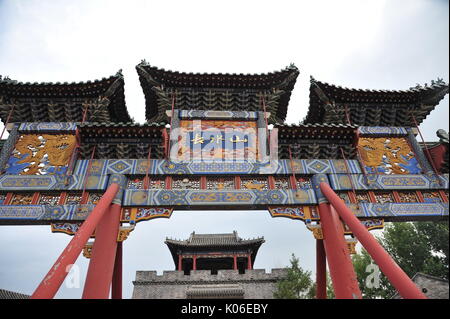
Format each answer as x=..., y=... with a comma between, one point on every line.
x=220, y=183
x=41, y=154
x=431, y=197
x=384, y=197
x=408, y=197
x=22, y=199
x=256, y=182
x=187, y=182
x=49, y=199
x=282, y=182
x=388, y=156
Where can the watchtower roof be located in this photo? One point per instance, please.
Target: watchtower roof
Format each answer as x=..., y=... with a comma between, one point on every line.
x=214, y=241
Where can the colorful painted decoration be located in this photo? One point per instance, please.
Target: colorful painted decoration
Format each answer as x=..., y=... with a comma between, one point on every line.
x=214, y=139
x=21, y=199
x=257, y=182
x=154, y=212
x=43, y=154
x=66, y=228
x=282, y=182
x=293, y=212
x=382, y=155
x=135, y=215
x=135, y=183
x=220, y=183
x=157, y=183
x=431, y=197
x=362, y=197
x=344, y=197
x=49, y=199
x=304, y=183
x=73, y=198
x=191, y=182
x=94, y=198
x=408, y=197
x=383, y=198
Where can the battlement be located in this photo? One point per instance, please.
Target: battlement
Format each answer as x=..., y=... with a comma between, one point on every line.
x=196, y=276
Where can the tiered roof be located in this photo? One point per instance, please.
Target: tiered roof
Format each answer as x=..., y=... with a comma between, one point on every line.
x=7, y=294
x=213, y=242
x=64, y=102
x=215, y=91
x=335, y=104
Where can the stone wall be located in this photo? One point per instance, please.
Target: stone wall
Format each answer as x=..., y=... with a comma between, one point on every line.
x=432, y=287
x=256, y=283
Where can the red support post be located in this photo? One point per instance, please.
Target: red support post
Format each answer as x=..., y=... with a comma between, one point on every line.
x=321, y=270
x=55, y=277
x=234, y=262
x=343, y=275
x=249, y=261
x=116, y=290
x=101, y=267
x=194, y=263
x=180, y=263
x=404, y=285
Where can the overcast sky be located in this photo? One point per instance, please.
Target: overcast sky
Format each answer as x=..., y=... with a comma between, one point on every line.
x=362, y=44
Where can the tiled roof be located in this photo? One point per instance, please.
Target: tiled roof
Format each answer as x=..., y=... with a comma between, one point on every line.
x=217, y=80
x=61, y=102
x=316, y=125
x=214, y=240
x=327, y=103
x=6, y=294
x=223, y=91
x=120, y=124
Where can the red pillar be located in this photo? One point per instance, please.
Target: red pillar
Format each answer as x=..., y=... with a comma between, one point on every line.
x=116, y=290
x=52, y=281
x=321, y=270
x=249, y=261
x=234, y=262
x=194, y=263
x=101, y=266
x=180, y=261
x=404, y=285
x=345, y=283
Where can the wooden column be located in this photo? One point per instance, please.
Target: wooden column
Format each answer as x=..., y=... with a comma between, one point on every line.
x=398, y=278
x=101, y=266
x=116, y=290
x=194, y=262
x=55, y=277
x=345, y=283
x=321, y=270
x=249, y=261
x=235, y=262
x=180, y=263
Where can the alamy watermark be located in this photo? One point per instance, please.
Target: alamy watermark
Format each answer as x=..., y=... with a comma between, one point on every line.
x=73, y=276
x=373, y=279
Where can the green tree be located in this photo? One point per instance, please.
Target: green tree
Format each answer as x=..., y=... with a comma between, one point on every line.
x=330, y=290
x=416, y=247
x=297, y=284
x=380, y=289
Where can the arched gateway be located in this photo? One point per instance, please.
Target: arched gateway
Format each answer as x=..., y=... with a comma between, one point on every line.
x=74, y=159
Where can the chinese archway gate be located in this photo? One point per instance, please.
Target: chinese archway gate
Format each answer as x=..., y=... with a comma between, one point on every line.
x=74, y=159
